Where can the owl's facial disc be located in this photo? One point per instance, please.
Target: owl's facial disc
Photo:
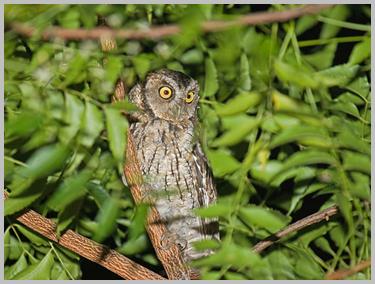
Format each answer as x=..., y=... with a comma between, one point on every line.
x=171, y=95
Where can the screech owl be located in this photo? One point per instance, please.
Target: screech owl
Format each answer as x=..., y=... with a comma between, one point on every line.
x=174, y=168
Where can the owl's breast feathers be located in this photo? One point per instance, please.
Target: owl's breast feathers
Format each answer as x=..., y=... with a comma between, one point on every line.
x=176, y=174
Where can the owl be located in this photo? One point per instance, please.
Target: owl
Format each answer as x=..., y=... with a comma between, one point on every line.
x=175, y=170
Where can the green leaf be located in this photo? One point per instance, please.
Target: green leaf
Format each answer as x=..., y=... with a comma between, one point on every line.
x=42, y=163
x=98, y=192
x=324, y=245
x=16, y=248
x=76, y=71
x=305, y=265
x=215, y=210
x=234, y=276
x=113, y=67
x=348, y=97
x=87, y=226
x=193, y=56
x=23, y=124
x=222, y=162
x=6, y=244
x=304, y=23
x=232, y=255
x=142, y=64
x=314, y=233
x=264, y=172
x=282, y=102
x=92, y=124
x=214, y=275
x=295, y=75
x=106, y=219
x=117, y=127
x=73, y=115
x=309, y=157
x=124, y=105
x=360, y=86
x=360, y=52
x=338, y=12
x=307, y=135
x=71, y=262
x=137, y=226
x=285, y=120
x=40, y=271
x=356, y=162
x=14, y=204
x=206, y=244
x=281, y=263
x=339, y=75
x=338, y=235
x=345, y=207
x=261, y=217
x=347, y=139
x=33, y=237
x=244, y=80
x=301, y=191
x=361, y=186
x=239, y=104
x=20, y=265
x=211, y=84
x=73, y=188
x=134, y=246
x=58, y=273
x=346, y=107
x=67, y=215
x=306, y=157
x=322, y=59
x=237, y=133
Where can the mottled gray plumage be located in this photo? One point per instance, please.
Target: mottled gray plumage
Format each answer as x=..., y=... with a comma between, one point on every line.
x=174, y=167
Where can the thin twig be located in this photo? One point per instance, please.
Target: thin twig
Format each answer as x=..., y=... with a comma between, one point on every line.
x=155, y=32
x=300, y=224
x=344, y=273
x=102, y=255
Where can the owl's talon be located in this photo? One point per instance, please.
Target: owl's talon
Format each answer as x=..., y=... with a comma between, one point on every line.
x=166, y=241
x=182, y=244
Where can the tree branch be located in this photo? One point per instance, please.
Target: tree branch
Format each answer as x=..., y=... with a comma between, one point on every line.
x=156, y=32
x=344, y=273
x=102, y=255
x=299, y=225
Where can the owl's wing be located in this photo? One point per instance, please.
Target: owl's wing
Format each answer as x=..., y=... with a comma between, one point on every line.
x=206, y=190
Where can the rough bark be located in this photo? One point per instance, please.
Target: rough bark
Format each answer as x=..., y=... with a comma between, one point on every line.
x=102, y=255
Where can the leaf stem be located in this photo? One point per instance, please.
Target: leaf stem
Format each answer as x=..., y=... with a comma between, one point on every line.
x=322, y=41
x=342, y=24
x=17, y=162
x=60, y=260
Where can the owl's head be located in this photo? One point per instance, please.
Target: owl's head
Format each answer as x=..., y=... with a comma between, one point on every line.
x=168, y=95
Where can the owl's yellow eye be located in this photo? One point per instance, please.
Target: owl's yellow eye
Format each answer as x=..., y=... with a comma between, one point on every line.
x=165, y=92
x=189, y=97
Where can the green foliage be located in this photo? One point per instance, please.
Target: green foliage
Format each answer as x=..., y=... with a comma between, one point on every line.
x=285, y=115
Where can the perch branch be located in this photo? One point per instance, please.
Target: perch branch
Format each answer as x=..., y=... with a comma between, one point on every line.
x=102, y=255
x=156, y=32
x=344, y=273
x=299, y=225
